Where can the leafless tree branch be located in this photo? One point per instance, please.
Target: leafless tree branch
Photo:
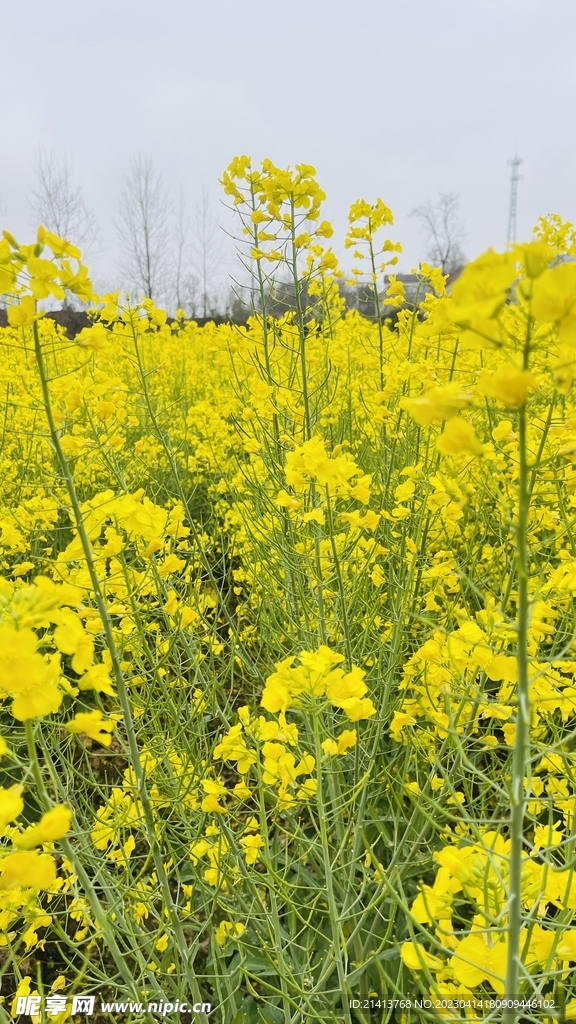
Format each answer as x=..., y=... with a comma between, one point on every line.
x=444, y=231
x=143, y=226
x=58, y=202
x=207, y=250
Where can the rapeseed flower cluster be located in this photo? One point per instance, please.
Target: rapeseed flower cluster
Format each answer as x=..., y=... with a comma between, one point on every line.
x=318, y=676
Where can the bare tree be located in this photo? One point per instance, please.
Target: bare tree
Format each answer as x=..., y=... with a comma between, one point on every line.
x=207, y=251
x=186, y=283
x=444, y=231
x=143, y=226
x=181, y=246
x=58, y=203
x=191, y=294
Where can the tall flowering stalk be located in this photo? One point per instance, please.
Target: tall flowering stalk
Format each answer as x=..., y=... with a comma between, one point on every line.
x=521, y=753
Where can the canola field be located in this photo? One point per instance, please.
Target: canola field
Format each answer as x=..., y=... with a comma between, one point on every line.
x=287, y=621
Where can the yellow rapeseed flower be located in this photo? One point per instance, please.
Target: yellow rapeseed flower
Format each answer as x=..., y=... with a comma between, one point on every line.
x=91, y=723
x=54, y=824
x=459, y=438
x=28, y=869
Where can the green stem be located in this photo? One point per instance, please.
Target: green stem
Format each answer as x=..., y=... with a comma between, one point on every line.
x=262, y=290
x=278, y=942
x=521, y=753
x=378, y=311
x=338, y=942
x=301, y=326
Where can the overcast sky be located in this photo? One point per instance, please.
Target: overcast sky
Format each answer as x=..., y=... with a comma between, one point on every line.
x=401, y=99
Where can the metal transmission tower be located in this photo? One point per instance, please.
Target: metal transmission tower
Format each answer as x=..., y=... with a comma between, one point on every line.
x=514, y=179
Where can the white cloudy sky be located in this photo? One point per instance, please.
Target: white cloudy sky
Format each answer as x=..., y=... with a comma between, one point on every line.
x=397, y=98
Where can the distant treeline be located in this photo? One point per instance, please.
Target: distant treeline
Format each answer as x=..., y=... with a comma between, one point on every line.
x=280, y=300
